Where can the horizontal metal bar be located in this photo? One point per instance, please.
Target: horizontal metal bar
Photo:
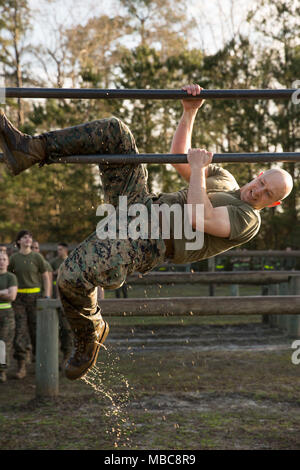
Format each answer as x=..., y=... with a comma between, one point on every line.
x=97, y=93
x=178, y=158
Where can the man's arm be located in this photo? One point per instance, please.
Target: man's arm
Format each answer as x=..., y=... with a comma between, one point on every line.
x=50, y=274
x=9, y=294
x=183, y=135
x=46, y=283
x=52, y=264
x=216, y=219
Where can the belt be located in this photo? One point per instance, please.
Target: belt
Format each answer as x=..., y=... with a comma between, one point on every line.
x=31, y=290
x=5, y=305
x=167, y=241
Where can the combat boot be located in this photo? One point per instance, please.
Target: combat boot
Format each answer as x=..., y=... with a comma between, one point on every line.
x=87, y=343
x=20, y=151
x=21, y=373
x=3, y=377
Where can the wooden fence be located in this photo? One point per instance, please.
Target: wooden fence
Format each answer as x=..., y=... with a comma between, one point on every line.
x=283, y=309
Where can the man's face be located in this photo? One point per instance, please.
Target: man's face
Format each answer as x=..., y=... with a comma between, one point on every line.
x=3, y=261
x=62, y=251
x=25, y=241
x=263, y=190
x=35, y=247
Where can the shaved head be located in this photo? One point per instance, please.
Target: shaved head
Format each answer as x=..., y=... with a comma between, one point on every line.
x=283, y=182
x=271, y=186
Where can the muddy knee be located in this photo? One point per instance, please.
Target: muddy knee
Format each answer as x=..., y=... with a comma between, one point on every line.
x=114, y=277
x=119, y=130
x=67, y=278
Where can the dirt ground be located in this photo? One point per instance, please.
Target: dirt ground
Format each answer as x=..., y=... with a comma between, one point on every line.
x=167, y=384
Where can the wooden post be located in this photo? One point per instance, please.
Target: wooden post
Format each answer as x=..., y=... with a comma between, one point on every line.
x=234, y=290
x=293, y=321
x=273, y=289
x=284, y=289
x=46, y=349
x=211, y=268
x=3, y=358
x=265, y=291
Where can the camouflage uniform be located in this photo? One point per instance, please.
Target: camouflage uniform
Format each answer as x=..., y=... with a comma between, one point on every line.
x=65, y=331
x=97, y=262
x=25, y=314
x=7, y=330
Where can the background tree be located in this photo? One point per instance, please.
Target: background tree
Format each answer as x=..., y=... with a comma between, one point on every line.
x=277, y=24
x=16, y=25
x=163, y=24
x=150, y=44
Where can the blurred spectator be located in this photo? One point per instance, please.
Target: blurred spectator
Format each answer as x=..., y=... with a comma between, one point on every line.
x=28, y=267
x=62, y=254
x=8, y=293
x=65, y=332
x=36, y=248
x=288, y=262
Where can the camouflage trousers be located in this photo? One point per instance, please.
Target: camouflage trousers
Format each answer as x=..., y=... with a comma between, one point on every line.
x=103, y=262
x=7, y=331
x=25, y=315
x=65, y=333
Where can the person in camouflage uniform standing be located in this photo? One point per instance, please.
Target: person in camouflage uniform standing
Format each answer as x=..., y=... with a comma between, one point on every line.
x=36, y=249
x=65, y=332
x=8, y=293
x=62, y=254
x=231, y=214
x=28, y=267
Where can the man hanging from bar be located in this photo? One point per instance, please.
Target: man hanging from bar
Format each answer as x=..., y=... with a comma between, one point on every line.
x=231, y=214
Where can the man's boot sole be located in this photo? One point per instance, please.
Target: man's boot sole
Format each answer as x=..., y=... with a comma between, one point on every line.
x=94, y=359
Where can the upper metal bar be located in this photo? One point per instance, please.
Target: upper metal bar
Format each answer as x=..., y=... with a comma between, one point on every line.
x=178, y=158
x=181, y=158
x=95, y=93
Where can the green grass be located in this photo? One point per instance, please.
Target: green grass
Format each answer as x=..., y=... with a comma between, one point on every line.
x=231, y=400
x=178, y=399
